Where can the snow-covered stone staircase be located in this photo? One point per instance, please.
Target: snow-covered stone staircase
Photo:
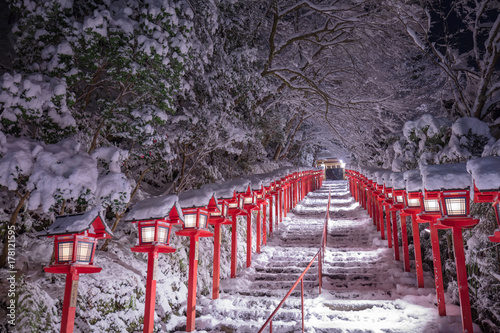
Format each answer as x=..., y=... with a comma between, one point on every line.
x=364, y=288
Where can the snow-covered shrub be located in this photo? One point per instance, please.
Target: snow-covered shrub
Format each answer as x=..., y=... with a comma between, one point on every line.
x=36, y=106
x=469, y=136
x=421, y=140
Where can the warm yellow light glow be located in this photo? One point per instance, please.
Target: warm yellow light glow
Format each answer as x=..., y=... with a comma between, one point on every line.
x=203, y=221
x=413, y=202
x=455, y=206
x=399, y=198
x=84, y=251
x=65, y=251
x=148, y=234
x=190, y=220
x=431, y=205
x=163, y=235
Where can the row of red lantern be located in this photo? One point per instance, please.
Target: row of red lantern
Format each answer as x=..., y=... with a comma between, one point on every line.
x=445, y=208
x=75, y=236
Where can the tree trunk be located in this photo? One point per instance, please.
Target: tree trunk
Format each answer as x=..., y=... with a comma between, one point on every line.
x=277, y=153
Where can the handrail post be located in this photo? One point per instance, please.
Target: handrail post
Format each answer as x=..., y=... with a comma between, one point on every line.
x=302, y=300
x=320, y=269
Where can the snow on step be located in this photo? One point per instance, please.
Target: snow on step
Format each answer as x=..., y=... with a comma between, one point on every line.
x=364, y=288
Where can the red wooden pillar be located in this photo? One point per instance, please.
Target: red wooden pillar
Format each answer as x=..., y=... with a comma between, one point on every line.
x=69, y=303
x=234, y=245
x=193, y=278
x=264, y=224
x=438, y=275
x=249, y=239
x=463, y=286
x=285, y=201
x=418, y=251
x=280, y=205
x=149, y=307
x=216, y=267
x=388, y=225
x=270, y=215
x=404, y=238
x=381, y=219
x=258, y=236
x=395, y=234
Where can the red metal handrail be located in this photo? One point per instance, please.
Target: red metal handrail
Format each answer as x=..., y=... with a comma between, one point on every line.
x=321, y=257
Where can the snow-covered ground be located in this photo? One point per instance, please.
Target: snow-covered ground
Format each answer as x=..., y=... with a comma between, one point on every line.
x=364, y=288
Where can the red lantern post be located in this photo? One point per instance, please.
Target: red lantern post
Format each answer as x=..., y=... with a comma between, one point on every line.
x=154, y=218
x=387, y=203
x=235, y=209
x=194, y=208
x=453, y=182
x=486, y=179
x=75, y=239
x=430, y=214
x=398, y=194
x=249, y=204
x=413, y=206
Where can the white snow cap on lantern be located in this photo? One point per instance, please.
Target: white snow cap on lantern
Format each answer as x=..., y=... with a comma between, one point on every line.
x=445, y=177
x=386, y=176
x=413, y=180
x=240, y=185
x=155, y=208
x=485, y=172
x=398, y=181
x=196, y=198
x=222, y=190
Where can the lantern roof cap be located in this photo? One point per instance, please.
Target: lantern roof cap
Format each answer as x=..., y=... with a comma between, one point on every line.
x=445, y=177
x=196, y=198
x=266, y=178
x=380, y=175
x=371, y=173
x=398, y=181
x=222, y=190
x=413, y=180
x=91, y=221
x=485, y=172
x=256, y=183
x=386, y=177
x=240, y=184
x=158, y=207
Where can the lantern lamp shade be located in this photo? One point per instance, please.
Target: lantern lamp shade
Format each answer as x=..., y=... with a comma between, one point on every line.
x=195, y=218
x=413, y=200
x=74, y=249
x=431, y=205
x=190, y=220
x=456, y=206
x=399, y=199
x=154, y=231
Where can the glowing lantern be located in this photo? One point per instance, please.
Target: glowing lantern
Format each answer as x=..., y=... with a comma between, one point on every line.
x=194, y=208
x=75, y=239
x=452, y=182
